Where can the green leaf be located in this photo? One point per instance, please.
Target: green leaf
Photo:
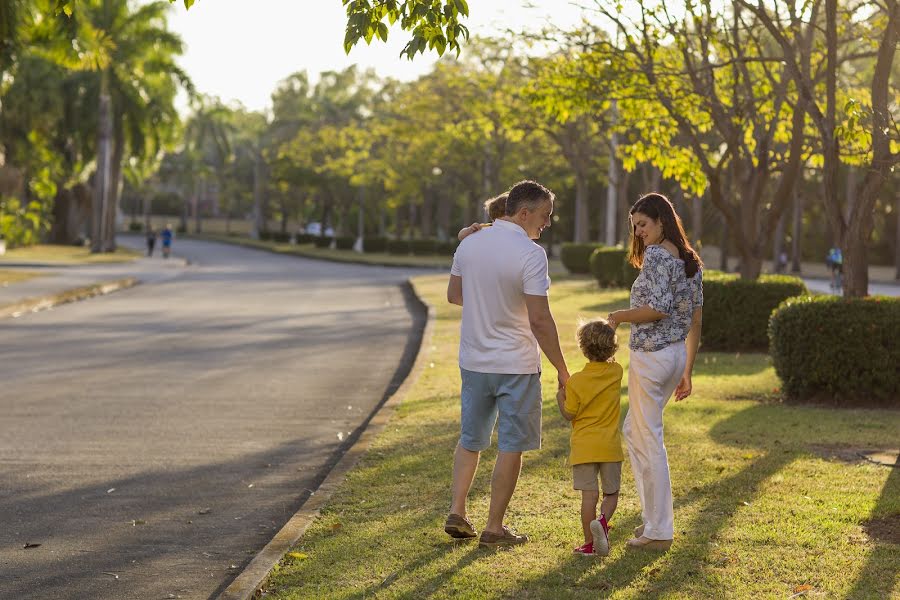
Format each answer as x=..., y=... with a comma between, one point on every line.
x=382, y=32
x=462, y=6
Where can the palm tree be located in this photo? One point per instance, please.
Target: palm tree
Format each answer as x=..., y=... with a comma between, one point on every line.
x=134, y=80
x=208, y=135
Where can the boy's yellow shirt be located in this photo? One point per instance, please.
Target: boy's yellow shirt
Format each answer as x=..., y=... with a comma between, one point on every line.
x=592, y=395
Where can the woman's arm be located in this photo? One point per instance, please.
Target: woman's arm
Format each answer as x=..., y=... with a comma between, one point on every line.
x=685, y=386
x=643, y=314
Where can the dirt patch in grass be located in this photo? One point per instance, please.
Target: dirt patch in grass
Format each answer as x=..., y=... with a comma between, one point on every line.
x=887, y=457
x=884, y=529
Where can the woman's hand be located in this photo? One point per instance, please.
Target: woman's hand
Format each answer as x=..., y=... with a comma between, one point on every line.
x=684, y=387
x=614, y=319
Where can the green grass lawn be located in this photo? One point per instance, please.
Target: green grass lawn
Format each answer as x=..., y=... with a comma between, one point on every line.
x=51, y=253
x=9, y=277
x=764, y=508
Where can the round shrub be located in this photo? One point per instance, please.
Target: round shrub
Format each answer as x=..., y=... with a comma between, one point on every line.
x=837, y=350
x=135, y=226
x=375, y=244
x=322, y=241
x=736, y=311
x=344, y=242
x=423, y=247
x=398, y=246
x=576, y=258
x=608, y=266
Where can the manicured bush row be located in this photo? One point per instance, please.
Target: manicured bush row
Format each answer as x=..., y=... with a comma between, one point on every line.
x=576, y=258
x=322, y=241
x=837, y=350
x=609, y=265
x=736, y=311
x=344, y=242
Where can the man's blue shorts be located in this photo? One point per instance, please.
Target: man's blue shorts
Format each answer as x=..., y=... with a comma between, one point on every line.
x=512, y=401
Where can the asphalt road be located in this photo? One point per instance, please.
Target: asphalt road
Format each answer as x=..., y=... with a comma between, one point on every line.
x=152, y=441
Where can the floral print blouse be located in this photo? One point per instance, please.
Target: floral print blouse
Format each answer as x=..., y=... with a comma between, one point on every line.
x=664, y=287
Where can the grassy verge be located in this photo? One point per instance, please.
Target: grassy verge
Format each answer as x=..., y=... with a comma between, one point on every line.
x=9, y=277
x=761, y=511
x=50, y=253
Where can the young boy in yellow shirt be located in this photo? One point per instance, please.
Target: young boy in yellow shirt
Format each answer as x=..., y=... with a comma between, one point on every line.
x=591, y=403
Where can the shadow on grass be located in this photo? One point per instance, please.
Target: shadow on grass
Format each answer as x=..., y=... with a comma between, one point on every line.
x=688, y=562
x=885, y=557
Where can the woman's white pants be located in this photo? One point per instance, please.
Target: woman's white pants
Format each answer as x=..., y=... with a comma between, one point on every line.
x=652, y=378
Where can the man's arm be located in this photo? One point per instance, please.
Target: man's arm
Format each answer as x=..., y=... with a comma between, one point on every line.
x=454, y=290
x=544, y=329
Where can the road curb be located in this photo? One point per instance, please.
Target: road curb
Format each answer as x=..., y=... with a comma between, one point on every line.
x=246, y=586
x=40, y=303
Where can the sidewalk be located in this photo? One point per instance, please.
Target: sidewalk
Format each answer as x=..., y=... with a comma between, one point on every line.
x=58, y=279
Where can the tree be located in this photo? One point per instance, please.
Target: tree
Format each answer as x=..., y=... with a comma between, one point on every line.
x=866, y=122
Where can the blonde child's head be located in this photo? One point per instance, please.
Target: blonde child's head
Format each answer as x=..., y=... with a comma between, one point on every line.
x=496, y=207
x=597, y=340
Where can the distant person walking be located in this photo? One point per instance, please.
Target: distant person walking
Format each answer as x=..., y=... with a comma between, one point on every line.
x=503, y=277
x=167, y=236
x=151, y=241
x=835, y=261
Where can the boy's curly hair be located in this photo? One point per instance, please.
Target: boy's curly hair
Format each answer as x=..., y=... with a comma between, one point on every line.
x=597, y=340
x=496, y=207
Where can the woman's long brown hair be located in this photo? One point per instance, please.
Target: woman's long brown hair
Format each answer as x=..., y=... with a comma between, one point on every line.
x=659, y=208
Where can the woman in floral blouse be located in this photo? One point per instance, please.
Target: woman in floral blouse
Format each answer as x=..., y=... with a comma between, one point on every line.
x=665, y=313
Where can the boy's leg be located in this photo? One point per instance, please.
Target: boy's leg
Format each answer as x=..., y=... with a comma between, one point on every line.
x=611, y=480
x=589, y=499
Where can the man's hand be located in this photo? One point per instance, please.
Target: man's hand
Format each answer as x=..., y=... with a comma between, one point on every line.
x=684, y=387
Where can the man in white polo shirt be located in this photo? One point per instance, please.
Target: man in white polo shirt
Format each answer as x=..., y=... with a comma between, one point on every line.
x=506, y=321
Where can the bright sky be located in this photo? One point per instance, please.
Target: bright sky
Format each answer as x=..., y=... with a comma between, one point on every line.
x=240, y=49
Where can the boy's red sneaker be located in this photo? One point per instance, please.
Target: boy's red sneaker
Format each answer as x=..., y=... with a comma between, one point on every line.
x=585, y=549
x=600, y=531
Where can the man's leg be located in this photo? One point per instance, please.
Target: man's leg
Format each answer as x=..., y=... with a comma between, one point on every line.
x=503, y=484
x=465, y=464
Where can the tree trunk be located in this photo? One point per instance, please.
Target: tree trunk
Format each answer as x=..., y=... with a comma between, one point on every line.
x=102, y=175
x=697, y=219
x=115, y=185
x=797, y=231
x=425, y=215
x=198, y=198
x=582, y=192
x=443, y=217
x=258, y=215
x=612, y=186
x=778, y=243
x=723, y=245
x=897, y=238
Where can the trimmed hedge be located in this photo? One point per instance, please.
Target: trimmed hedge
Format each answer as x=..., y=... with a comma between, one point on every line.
x=322, y=241
x=398, y=246
x=447, y=248
x=344, y=242
x=304, y=238
x=609, y=265
x=281, y=237
x=736, y=311
x=375, y=244
x=844, y=351
x=576, y=258
x=423, y=246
